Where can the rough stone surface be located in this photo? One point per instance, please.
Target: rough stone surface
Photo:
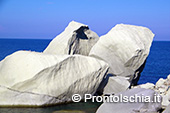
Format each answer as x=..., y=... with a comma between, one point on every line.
x=136, y=107
x=23, y=65
x=10, y=97
x=49, y=78
x=167, y=110
x=113, y=84
x=146, y=86
x=160, y=82
x=125, y=48
x=77, y=38
x=162, y=87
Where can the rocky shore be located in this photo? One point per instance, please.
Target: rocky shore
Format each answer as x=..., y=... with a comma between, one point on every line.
x=78, y=61
x=161, y=88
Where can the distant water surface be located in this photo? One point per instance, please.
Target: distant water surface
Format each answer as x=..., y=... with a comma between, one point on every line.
x=157, y=66
x=158, y=62
x=8, y=46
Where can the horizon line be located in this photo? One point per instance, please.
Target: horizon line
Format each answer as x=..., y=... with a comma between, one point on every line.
x=49, y=39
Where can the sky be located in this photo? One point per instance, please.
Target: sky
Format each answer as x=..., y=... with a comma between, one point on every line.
x=45, y=19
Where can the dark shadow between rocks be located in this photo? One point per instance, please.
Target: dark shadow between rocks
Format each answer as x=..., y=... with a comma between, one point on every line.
x=75, y=40
x=138, y=74
x=80, y=33
x=103, y=84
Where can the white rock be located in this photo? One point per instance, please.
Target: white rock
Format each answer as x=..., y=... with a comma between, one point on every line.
x=129, y=107
x=160, y=82
x=165, y=100
x=167, y=110
x=114, y=84
x=23, y=65
x=166, y=97
x=162, y=87
x=9, y=97
x=58, y=76
x=168, y=91
x=168, y=80
x=146, y=86
x=125, y=48
x=168, y=77
x=77, y=38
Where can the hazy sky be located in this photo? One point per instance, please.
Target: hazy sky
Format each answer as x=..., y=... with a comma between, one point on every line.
x=44, y=19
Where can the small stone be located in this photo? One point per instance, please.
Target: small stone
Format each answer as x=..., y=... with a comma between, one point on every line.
x=160, y=82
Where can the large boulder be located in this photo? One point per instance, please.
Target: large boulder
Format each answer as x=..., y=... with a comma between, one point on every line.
x=77, y=38
x=132, y=107
x=125, y=48
x=54, y=78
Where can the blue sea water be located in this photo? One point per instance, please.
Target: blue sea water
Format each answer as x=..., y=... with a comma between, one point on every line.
x=158, y=62
x=8, y=46
x=157, y=66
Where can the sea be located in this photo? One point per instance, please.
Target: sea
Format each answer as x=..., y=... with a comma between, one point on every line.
x=157, y=66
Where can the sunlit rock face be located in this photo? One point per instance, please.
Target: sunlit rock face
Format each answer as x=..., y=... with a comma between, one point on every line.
x=48, y=79
x=77, y=38
x=125, y=48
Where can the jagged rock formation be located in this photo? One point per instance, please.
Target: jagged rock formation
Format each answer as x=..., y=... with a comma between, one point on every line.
x=162, y=86
x=77, y=38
